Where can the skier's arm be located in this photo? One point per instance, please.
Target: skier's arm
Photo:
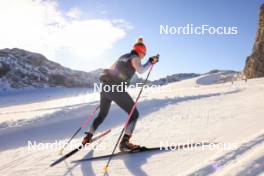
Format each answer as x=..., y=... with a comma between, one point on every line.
x=136, y=63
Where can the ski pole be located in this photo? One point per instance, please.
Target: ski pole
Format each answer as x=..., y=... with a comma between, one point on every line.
x=126, y=124
x=78, y=130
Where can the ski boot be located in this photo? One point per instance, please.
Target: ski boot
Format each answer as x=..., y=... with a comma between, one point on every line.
x=126, y=146
x=88, y=138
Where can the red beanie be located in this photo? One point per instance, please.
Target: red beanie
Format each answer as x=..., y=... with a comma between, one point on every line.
x=139, y=47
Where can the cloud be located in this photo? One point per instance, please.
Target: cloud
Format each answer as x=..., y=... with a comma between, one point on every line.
x=74, y=13
x=41, y=26
x=122, y=24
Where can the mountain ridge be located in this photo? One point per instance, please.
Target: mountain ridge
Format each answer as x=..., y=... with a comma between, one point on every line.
x=21, y=69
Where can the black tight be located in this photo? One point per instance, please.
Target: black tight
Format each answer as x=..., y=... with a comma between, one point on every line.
x=123, y=100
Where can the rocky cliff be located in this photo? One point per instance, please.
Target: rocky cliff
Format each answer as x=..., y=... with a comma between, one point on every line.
x=255, y=62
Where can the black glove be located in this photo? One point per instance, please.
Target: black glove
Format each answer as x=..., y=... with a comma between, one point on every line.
x=154, y=59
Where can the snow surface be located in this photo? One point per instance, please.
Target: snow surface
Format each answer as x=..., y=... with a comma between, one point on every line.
x=190, y=110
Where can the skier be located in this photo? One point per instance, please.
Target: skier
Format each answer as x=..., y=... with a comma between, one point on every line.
x=121, y=72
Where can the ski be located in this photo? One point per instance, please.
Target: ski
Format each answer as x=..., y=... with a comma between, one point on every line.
x=146, y=149
x=78, y=149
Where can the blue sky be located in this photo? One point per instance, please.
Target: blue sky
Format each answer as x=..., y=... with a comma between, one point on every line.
x=179, y=53
x=182, y=53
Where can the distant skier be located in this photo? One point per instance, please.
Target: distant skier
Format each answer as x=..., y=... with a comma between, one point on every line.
x=121, y=72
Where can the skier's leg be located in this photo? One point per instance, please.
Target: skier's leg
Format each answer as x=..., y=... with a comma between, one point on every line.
x=105, y=104
x=125, y=101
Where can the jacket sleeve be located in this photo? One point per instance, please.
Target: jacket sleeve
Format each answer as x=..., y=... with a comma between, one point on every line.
x=136, y=63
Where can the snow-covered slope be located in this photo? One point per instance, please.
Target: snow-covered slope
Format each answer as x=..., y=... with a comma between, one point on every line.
x=218, y=76
x=175, y=78
x=231, y=114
